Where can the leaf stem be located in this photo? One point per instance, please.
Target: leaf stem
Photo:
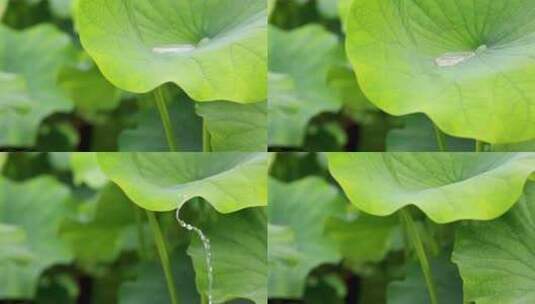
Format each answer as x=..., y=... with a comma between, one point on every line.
x=166, y=119
x=206, y=145
x=164, y=257
x=417, y=243
x=142, y=248
x=441, y=139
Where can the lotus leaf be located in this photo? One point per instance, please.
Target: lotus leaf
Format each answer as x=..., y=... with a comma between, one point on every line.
x=149, y=134
x=101, y=238
x=467, y=64
x=30, y=219
x=299, y=63
x=140, y=45
x=418, y=135
x=86, y=170
x=3, y=158
x=88, y=89
x=238, y=243
x=30, y=61
x=3, y=7
x=150, y=285
x=445, y=186
x=235, y=127
x=360, y=237
x=413, y=289
x=303, y=207
x=165, y=181
x=495, y=258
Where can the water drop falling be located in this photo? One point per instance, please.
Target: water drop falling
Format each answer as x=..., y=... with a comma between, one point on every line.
x=207, y=252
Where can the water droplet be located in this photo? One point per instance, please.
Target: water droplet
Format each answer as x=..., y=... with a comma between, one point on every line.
x=453, y=59
x=174, y=48
x=204, y=41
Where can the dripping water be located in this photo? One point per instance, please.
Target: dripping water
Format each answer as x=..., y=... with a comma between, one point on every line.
x=207, y=251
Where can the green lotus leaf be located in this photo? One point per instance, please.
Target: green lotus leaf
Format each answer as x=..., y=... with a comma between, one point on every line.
x=3, y=159
x=413, y=290
x=26, y=229
x=235, y=127
x=3, y=7
x=30, y=61
x=282, y=246
x=150, y=285
x=271, y=6
x=445, y=186
x=299, y=62
x=495, y=258
x=14, y=95
x=526, y=146
x=341, y=79
x=101, y=238
x=418, y=134
x=343, y=11
x=304, y=207
x=239, y=256
x=85, y=170
x=140, y=45
x=165, y=181
x=14, y=245
x=328, y=8
x=361, y=238
x=149, y=134
x=88, y=89
x=61, y=8
x=58, y=8
x=466, y=64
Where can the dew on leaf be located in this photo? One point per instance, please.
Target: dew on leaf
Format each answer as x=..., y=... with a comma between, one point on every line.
x=453, y=59
x=174, y=48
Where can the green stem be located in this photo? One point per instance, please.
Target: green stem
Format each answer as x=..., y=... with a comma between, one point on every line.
x=480, y=146
x=430, y=237
x=142, y=248
x=441, y=139
x=164, y=257
x=166, y=119
x=206, y=146
x=417, y=243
